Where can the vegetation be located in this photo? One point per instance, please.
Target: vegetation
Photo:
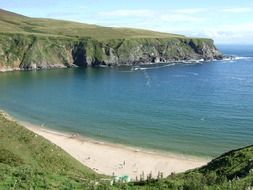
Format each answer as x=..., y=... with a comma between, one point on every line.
x=232, y=171
x=15, y=23
x=28, y=161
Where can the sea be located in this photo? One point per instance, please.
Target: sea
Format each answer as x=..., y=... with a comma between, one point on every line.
x=193, y=108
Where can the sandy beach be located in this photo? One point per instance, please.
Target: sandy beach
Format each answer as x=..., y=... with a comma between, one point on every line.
x=113, y=159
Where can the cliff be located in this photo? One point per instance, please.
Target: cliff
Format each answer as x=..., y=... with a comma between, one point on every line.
x=31, y=43
x=19, y=51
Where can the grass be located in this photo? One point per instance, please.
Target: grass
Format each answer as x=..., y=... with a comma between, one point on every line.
x=15, y=23
x=232, y=171
x=28, y=161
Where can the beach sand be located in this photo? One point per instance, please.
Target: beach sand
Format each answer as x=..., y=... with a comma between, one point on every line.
x=114, y=159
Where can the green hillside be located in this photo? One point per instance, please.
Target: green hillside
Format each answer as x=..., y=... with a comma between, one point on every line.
x=28, y=161
x=15, y=23
x=231, y=171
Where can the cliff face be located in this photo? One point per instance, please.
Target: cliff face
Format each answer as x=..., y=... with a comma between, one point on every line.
x=19, y=51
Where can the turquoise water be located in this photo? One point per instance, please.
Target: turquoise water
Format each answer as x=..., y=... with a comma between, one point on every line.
x=197, y=109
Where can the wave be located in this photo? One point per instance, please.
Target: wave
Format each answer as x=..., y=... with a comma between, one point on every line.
x=192, y=73
x=193, y=61
x=226, y=59
x=243, y=58
x=235, y=58
x=136, y=68
x=180, y=76
x=236, y=78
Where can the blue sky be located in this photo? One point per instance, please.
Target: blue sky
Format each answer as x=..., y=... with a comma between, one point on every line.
x=226, y=21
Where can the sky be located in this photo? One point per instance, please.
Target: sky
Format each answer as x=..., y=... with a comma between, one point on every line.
x=225, y=21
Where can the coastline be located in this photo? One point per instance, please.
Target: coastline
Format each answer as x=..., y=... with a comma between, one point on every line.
x=9, y=69
x=115, y=159
x=172, y=62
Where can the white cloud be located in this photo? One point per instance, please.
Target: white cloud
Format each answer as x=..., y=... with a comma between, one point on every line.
x=189, y=11
x=189, y=22
x=178, y=18
x=237, y=10
x=239, y=33
x=238, y=27
x=178, y=15
x=127, y=13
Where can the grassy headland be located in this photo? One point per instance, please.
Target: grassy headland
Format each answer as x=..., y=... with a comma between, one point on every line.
x=36, y=43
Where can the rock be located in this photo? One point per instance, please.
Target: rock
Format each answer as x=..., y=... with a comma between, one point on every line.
x=42, y=52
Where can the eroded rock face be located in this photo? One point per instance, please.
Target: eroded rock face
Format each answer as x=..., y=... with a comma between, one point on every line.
x=37, y=52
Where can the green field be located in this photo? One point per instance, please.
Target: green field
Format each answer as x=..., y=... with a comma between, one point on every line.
x=15, y=23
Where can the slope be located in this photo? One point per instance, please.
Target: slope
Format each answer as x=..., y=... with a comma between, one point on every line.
x=15, y=23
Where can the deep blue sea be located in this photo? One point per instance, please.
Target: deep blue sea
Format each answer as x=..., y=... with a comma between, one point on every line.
x=199, y=109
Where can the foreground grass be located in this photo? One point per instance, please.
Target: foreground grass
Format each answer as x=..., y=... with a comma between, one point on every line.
x=230, y=171
x=28, y=161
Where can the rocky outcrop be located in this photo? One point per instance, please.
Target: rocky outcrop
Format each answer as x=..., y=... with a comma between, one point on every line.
x=28, y=52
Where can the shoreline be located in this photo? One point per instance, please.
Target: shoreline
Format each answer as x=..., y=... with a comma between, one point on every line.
x=180, y=61
x=115, y=159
